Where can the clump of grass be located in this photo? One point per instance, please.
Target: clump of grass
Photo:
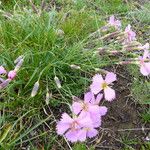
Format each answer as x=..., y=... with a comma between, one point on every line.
x=47, y=54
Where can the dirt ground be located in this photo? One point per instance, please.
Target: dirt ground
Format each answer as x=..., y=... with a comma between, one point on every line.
x=122, y=125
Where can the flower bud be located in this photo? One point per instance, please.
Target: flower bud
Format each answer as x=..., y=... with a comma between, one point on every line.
x=75, y=66
x=12, y=74
x=2, y=70
x=35, y=89
x=57, y=81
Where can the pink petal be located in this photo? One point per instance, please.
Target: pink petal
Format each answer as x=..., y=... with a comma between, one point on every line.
x=89, y=97
x=92, y=133
x=76, y=107
x=95, y=88
x=62, y=127
x=98, y=78
x=94, y=109
x=145, y=69
x=96, y=85
x=85, y=120
x=66, y=118
x=82, y=135
x=110, y=77
x=96, y=119
x=103, y=110
x=2, y=70
x=72, y=135
x=109, y=94
x=98, y=99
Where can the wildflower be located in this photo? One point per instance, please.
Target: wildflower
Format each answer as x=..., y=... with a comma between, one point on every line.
x=114, y=22
x=144, y=62
x=2, y=70
x=35, y=89
x=90, y=107
x=71, y=127
x=57, y=81
x=130, y=35
x=12, y=74
x=100, y=84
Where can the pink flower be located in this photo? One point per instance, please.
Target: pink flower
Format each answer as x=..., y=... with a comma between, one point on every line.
x=100, y=84
x=70, y=127
x=12, y=74
x=130, y=34
x=2, y=70
x=114, y=22
x=145, y=66
x=89, y=107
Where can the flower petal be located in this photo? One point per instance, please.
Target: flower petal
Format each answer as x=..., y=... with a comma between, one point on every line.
x=66, y=118
x=109, y=94
x=98, y=99
x=98, y=78
x=76, y=107
x=92, y=133
x=88, y=97
x=61, y=128
x=145, y=69
x=110, y=77
x=95, y=88
x=72, y=135
x=82, y=135
x=103, y=110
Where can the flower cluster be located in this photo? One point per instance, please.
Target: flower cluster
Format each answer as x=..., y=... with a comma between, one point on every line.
x=7, y=76
x=130, y=44
x=87, y=114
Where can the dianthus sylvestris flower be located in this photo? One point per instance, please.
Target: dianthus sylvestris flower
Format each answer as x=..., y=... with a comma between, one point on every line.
x=100, y=84
x=90, y=107
x=114, y=22
x=75, y=129
x=130, y=35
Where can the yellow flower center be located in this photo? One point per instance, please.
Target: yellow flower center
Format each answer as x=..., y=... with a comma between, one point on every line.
x=85, y=107
x=104, y=85
x=74, y=125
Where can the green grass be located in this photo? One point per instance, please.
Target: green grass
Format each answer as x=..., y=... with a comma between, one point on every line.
x=49, y=54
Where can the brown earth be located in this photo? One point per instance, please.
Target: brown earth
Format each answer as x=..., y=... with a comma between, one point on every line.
x=122, y=125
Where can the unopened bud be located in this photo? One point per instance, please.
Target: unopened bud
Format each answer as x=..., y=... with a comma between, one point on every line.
x=75, y=67
x=48, y=97
x=35, y=89
x=12, y=74
x=18, y=65
x=57, y=81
